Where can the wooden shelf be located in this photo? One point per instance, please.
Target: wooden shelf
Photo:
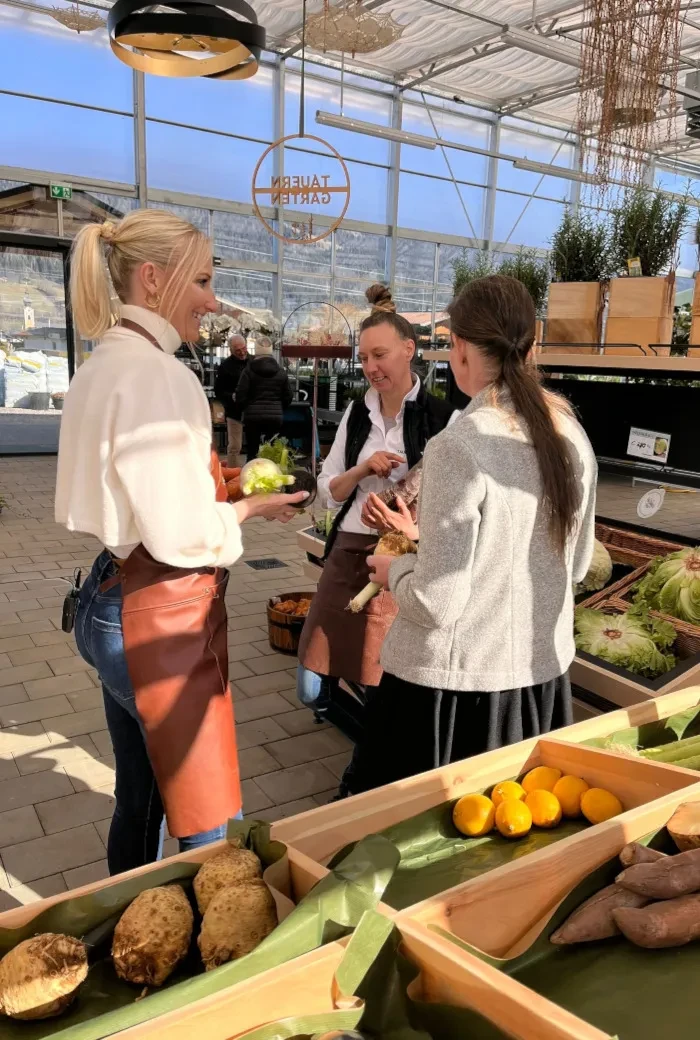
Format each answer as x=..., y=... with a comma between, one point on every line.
x=643, y=362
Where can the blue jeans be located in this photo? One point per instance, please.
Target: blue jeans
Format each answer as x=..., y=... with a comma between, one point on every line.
x=136, y=831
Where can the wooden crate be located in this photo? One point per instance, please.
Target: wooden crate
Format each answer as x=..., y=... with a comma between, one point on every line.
x=306, y=987
x=694, y=337
x=640, y=312
x=623, y=689
x=574, y=315
x=322, y=832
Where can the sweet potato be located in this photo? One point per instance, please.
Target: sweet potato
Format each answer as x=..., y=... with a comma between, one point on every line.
x=666, y=878
x=684, y=826
x=408, y=488
x=636, y=853
x=674, y=922
x=594, y=918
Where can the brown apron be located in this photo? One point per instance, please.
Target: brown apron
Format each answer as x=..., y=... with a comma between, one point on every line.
x=175, y=639
x=334, y=641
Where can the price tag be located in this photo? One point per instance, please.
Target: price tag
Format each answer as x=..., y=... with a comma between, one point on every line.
x=649, y=444
x=650, y=503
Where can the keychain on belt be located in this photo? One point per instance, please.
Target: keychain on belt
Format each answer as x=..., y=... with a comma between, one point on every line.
x=70, y=603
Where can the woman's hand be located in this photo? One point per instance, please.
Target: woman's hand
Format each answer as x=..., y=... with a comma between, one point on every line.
x=377, y=515
x=381, y=464
x=379, y=569
x=272, y=507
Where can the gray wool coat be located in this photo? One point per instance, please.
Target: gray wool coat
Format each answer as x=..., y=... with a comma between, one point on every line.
x=487, y=603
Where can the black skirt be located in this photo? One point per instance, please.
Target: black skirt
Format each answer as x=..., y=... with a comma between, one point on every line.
x=408, y=729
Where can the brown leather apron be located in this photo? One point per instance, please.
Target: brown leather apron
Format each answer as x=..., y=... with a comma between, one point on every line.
x=175, y=639
x=334, y=641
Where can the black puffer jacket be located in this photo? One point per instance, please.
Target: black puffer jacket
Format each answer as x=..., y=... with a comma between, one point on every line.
x=263, y=391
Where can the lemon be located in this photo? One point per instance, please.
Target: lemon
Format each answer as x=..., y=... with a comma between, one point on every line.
x=541, y=778
x=473, y=815
x=507, y=789
x=599, y=805
x=545, y=808
x=569, y=791
x=513, y=818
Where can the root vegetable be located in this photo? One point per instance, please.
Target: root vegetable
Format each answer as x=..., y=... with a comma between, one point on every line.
x=237, y=920
x=636, y=853
x=232, y=866
x=391, y=544
x=594, y=919
x=671, y=923
x=666, y=878
x=153, y=935
x=684, y=826
x=408, y=489
x=39, y=978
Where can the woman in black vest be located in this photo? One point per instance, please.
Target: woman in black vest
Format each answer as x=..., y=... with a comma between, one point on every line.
x=379, y=439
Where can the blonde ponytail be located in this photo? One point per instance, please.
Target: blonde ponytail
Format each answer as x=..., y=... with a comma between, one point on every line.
x=89, y=284
x=104, y=252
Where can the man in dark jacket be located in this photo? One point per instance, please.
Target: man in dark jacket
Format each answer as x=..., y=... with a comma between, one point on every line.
x=262, y=395
x=228, y=375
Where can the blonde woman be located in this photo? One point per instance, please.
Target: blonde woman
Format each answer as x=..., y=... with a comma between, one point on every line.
x=135, y=471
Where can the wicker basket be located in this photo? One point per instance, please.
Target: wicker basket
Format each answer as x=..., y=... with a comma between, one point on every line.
x=631, y=549
x=687, y=642
x=624, y=597
x=283, y=630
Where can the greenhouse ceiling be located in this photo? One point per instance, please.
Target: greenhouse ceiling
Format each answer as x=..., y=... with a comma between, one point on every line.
x=511, y=57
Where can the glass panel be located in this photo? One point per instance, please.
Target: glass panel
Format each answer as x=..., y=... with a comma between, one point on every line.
x=33, y=346
x=415, y=262
x=316, y=256
x=28, y=208
x=350, y=298
x=434, y=205
x=88, y=208
x=241, y=238
x=446, y=257
x=251, y=289
x=67, y=140
x=192, y=214
x=198, y=163
x=466, y=166
x=522, y=219
x=298, y=291
x=357, y=104
x=40, y=56
x=360, y=254
x=245, y=107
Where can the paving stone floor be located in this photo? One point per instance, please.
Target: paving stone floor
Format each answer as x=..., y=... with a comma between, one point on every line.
x=56, y=764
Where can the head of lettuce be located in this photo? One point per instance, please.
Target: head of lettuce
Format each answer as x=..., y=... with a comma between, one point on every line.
x=672, y=585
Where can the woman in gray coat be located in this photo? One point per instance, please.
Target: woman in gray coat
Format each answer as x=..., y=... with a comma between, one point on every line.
x=479, y=653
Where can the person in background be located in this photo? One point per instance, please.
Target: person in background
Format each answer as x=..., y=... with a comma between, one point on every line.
x=479, y=652
x=379, y=438
x=228, y=376
x=135, y=470
x=263, y=394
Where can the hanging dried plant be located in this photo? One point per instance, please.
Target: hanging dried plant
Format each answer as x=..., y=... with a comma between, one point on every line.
x=629, y=59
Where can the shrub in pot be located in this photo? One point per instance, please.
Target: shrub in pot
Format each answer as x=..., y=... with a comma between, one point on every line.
x=647, y=225
x=582, y=261
x=470, y=265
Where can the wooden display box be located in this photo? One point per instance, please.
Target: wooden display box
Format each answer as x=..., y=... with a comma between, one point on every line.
x=624, y=688
x=574, y=315
x=694, y=337
x=491, y=912
x=640, y=312
x=323, y=832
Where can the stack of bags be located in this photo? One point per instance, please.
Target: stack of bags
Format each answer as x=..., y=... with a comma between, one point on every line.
x=56, y=375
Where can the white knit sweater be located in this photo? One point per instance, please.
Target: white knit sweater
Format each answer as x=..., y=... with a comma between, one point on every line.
x=135, y=453
x=487, y=603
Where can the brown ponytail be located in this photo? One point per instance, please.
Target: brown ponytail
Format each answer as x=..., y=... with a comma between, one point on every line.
x=497, y=315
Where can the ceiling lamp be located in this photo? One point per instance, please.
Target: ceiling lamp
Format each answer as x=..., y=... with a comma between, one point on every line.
x=185, y=38
x=73, y=18
x=545, y=46
x=628, y=48
x=388, y=133
x=350, y=29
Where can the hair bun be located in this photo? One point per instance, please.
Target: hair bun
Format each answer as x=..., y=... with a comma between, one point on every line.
x=380, y=298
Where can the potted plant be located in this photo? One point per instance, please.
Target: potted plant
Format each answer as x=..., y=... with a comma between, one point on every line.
x=470, y=265
x=533, y=271
x=647, y=227
x=58, y=398
x=581, y=262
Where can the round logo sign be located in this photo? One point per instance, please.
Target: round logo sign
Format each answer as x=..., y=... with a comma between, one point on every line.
x=650, y=503
x=321, y=186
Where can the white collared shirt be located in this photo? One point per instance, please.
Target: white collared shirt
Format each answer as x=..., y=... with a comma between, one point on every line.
x=135, y=453
x=379, y=439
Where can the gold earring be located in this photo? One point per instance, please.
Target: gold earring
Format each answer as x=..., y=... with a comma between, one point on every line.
x=153, y=300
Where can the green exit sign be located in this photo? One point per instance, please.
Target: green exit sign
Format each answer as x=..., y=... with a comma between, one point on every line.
x=61, y=191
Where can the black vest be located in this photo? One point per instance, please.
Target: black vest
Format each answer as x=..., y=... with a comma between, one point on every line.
x=422, y=419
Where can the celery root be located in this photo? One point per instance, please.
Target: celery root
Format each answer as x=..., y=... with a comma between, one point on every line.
x=391, y=544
